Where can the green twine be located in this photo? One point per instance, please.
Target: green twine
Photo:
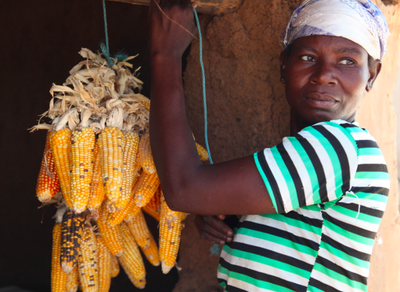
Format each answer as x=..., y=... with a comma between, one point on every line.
x=214, y=250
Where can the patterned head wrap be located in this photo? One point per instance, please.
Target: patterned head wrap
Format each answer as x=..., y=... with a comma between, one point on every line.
x=360, y=21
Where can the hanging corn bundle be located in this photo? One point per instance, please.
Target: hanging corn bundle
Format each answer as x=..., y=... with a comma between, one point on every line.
x=98, y=159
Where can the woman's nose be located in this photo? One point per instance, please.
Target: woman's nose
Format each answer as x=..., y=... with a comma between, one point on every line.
x=324, y=74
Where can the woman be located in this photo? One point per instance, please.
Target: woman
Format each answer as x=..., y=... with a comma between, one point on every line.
x=321, y=192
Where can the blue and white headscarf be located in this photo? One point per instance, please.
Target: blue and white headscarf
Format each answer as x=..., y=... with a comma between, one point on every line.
x=360, y=21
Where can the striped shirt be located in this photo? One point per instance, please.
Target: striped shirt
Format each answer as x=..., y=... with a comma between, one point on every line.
x=329, y=186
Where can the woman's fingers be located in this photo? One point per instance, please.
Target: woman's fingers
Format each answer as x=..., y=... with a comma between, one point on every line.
x=213, y=229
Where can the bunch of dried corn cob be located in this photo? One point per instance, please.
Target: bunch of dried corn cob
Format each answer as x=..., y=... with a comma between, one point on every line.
x=98, y=159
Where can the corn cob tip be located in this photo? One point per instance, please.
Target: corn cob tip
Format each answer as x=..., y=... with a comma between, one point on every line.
x=119, y=254
x=165, y=268
x=140, y=284
x=67, y=268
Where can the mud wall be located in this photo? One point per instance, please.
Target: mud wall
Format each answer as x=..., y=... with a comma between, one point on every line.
x=247, y=112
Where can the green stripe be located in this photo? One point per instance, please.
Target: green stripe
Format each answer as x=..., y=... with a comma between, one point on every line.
x=372, y=197
x=266, y=182
x=278, y=240
x=348, y=234
x=372, y=175
x=339, y=277
x=286, y=176
x=354, y=214
x=369, y=151
x=295, y=223
x=314, y=289
x=309, y=168
x=344, y=256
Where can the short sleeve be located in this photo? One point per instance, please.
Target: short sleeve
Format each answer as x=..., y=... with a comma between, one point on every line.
x=315, y=166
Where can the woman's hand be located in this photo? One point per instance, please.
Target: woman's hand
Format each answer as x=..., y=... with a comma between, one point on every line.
x=172, y=27
x=213, y=228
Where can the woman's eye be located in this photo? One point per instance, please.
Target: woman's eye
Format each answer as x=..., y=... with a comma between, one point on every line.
x=307, y=58
x=347, y=62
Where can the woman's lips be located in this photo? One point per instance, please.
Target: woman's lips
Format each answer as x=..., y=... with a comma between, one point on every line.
x=320, y=100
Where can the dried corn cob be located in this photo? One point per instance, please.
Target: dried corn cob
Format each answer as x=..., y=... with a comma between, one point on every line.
x=111, y=234
x=146, y=188
x=73, y=281
x=47, y=183
x=131, y=260
x=72, y=225
x=170, y=233
x=145, y=155
x=104, y=258
x=139, y=230
x=58, y=276
x=114, y=266
x=153, y=208
x=82, y=146
x=202, y=152
x=60, y=145
x=111, y=160
x=96, y=196
x=145, y=103
x=130, y=149
x=88, y=262
x=151, y=252
x=138, y=283
x=125, y=214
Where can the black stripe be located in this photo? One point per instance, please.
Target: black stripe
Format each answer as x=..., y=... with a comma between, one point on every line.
x=349, y=125
x=372, y=167
x=310, y=221
x=372, y=190
x=293, y=174
x=322, y=286
x=349, y=228
x=348, y=250
x=280, y=233
x=272, y=255
x=261, y=276
x=317, y=167
x=338, y=269
x=341, y=154
x=366, y=144
x=271, y=180
x=230, y=288
x=363, y=210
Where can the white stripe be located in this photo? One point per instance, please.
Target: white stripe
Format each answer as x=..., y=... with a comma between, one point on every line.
x=333, y=282
x=371, y=159
x=301, y=170
x=273, y=246
x=353, y=221
x=309, y=213
x=372, y=204
x=362, y=135
x=343, y=240
x=266, y=269
x=276, y=172
x=266, y=221
x=367, y=182
x=325, y=162
x=242, y=285
x=343, y=264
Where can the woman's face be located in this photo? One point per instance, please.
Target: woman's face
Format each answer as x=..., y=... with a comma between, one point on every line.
x=325, y=78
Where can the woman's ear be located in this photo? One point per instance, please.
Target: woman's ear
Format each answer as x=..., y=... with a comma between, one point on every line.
x=375, y=67
x=282, y=63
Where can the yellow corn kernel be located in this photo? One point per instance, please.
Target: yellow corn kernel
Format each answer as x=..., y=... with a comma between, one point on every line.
x=104, y=258
x=88, y=262
x=145, y=155
x=145, y=188
x=47, y=183
x=82, y=148
x=114, y=266
x=130, y=149
x=125, y=214
x=153, y=207
x=72, y=225
x=111, y=139
x=170, y=233
x=131, y=259
x=96, y=196
x=58, y=276
x=202, y=152
x=111, y=234
x=139, y=229
x=151, y=252
x=60, y=144
x=145, y=103
x=73, y=281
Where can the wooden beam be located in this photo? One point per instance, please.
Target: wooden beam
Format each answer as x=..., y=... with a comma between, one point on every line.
x=204, y=6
